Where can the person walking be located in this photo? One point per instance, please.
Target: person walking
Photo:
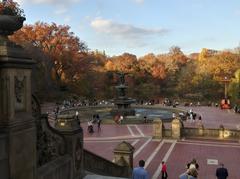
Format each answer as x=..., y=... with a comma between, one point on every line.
x=164, y=170
x=99, y=123
x=221, y=172
x=200, y=118
x=145, y=119
x=140, y=172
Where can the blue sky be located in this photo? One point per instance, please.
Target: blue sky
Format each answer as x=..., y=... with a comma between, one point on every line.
x=143, y=26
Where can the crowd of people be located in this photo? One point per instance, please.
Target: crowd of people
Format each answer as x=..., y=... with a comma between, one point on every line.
x=192, y=171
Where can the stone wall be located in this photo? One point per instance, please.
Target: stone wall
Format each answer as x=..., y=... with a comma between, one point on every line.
x=98, y=165
x=179, y=131
x=3, y=156
x=220, y=133
x=167, y=133
x=56, y=169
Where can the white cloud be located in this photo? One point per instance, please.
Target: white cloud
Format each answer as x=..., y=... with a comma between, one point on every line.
x=124, y=30
x=61, y=10
x=54, y=2
x=139, y=1
x=126, y=34
x=60, y=6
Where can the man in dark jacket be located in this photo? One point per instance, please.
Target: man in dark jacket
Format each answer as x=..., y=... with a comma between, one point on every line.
x=221, y=172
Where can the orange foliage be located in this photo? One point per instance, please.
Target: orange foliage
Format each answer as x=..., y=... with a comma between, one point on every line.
x=55, y=40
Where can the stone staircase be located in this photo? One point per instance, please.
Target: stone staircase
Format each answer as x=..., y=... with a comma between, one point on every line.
x=93, y=176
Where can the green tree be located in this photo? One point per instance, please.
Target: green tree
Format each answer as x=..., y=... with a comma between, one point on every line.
x=234, y=88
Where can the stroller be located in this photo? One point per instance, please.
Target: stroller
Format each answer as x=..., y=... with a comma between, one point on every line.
x=90, y=127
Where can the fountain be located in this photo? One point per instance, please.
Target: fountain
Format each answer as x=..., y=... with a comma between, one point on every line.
x=122, y=102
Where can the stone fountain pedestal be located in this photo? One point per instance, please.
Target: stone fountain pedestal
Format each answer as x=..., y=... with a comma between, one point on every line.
x=122, y=102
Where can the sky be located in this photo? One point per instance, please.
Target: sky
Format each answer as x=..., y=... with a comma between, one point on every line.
x=143, y=26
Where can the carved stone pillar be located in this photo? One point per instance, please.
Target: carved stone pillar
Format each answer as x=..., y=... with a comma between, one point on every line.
x=201, y=130
x=17, y=126
x=221, y=132
x=157, y=129
x=176, y=128
x=123, y=154
x=68, y=126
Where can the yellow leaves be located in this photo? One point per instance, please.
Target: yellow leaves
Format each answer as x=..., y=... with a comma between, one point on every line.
x=109, y=66
x=218, y=64
x=158, y=71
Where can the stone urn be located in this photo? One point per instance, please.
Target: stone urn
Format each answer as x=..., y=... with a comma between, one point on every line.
x=10, y=24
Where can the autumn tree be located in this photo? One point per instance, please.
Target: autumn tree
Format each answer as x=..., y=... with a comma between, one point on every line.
x=61, y=45
x=125, y=63
x=234, y=88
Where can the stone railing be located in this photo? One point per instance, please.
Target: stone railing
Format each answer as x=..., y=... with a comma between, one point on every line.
x=59, y=148
x=59, y=168
x=178, y=131
x=98, y=165
x=221, y=133
x=50, y=142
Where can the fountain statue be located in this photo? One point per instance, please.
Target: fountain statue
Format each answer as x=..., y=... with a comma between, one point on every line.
x=122, y=102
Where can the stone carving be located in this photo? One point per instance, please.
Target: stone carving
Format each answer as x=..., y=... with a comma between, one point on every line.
x=50, y=144
x=36, y=108
x=4, y=94
x=19, y=88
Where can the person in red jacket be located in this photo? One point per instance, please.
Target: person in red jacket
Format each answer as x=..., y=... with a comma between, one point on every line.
x=164, y=170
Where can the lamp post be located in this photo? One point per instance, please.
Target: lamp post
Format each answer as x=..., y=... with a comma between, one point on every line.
x=225, y=80
x=76, y=114
x=225, y=86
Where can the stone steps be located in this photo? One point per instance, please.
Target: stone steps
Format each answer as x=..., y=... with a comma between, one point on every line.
x=93, y=176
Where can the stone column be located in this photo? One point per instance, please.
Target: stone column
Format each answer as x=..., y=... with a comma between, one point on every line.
x=221, y=132
x=157, y=129
x=68, y=126
x=123, y=154
x=17, y=126
x=176, y=128
x=201, y=130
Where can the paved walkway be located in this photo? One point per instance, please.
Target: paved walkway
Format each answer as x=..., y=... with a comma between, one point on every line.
x=176, y=153
x=213, y=117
